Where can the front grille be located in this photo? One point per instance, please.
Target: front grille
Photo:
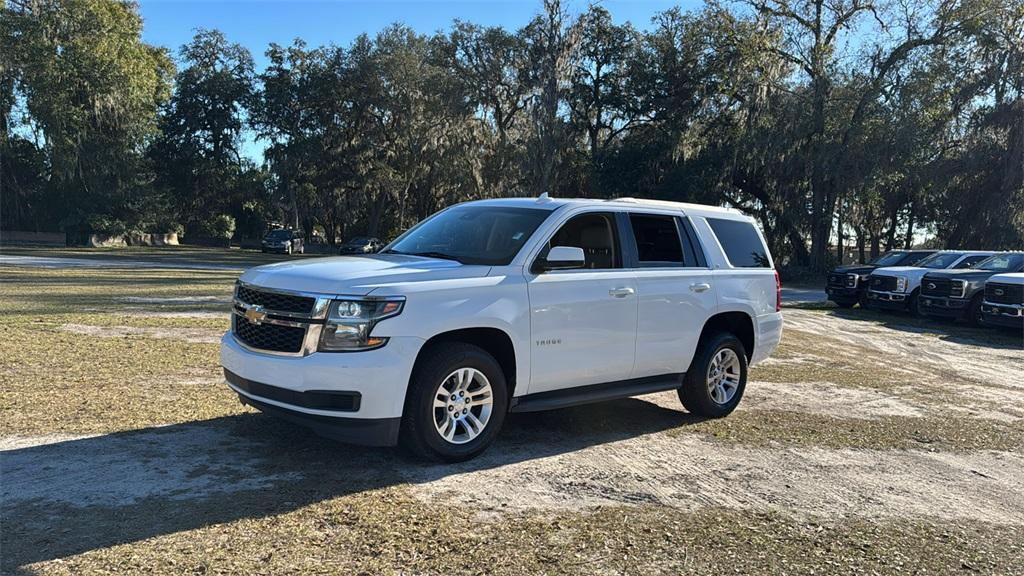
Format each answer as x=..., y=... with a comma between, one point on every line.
x=936, y=287
x=883, y=283
x=275, y=301
x=273, y=337
x=1004, y=293
x=837, y=279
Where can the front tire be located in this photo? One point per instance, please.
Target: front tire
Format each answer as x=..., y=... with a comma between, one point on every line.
x=714, y=384
x=456, y=403
x=975, y=317
x=914, y=304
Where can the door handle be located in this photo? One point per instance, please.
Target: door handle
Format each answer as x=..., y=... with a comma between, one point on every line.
x=701, y=287
x=621, y=292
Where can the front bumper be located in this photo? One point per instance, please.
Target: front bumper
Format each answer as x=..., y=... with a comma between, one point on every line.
x=281, y=249
x=887, y=300
x=843, y=293
x=945, y=307
x=313, y=388
x=1009, y=315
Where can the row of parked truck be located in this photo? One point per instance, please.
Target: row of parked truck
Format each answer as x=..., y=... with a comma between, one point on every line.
x=976, y=286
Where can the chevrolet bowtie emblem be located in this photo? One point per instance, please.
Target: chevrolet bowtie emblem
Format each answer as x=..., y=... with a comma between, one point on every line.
x=255, y=314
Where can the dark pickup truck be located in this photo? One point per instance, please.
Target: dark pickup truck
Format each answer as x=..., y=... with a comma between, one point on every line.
x=959, y=294
x=848, y=285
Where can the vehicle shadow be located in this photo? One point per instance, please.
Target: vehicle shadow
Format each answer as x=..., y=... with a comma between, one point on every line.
x=949, y=330
x=70, y=497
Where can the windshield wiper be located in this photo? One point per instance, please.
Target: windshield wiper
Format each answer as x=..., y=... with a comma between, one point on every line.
x=440, y=255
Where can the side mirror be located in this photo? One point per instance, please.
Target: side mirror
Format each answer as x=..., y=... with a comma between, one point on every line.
x=562, y=258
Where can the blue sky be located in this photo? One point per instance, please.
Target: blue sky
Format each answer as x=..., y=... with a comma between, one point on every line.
x=257, y=23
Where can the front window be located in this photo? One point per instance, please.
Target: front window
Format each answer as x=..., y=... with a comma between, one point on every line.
x=595, y=234
x=940, y=260
x=472, y=234
x=1003, y=263
x=280, y=235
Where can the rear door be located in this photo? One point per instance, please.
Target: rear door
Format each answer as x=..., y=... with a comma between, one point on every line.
x=583, y=322
x=676, y=291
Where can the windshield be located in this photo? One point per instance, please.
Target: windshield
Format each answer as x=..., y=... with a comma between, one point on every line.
x=472, y=234
x=279, y=235
x=940, y=260
x=913, y=258
x=889, y=259
x=1002, y=263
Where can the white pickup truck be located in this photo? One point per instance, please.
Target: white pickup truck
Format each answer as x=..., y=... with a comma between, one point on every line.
x=510, y=305
x=897, y=288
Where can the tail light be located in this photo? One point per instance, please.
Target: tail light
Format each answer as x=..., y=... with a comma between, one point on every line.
x=778, y=292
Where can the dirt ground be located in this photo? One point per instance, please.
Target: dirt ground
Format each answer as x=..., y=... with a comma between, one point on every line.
x=869, y=444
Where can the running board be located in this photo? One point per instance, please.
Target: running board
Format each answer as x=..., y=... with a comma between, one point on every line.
x=595, y=393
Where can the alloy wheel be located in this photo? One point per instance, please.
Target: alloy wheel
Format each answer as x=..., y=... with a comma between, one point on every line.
x=723, y=377
x=462, y=405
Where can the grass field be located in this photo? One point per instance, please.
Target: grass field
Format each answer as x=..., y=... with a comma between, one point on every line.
x=870, y=444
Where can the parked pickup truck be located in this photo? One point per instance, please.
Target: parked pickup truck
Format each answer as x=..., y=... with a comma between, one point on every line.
x=847, y=285
x=959, y=293
x=510, y=305
x=898, y=287
x=1003, y=304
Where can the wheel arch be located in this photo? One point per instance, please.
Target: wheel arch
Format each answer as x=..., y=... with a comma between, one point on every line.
x=735, y=321
x=495, y=341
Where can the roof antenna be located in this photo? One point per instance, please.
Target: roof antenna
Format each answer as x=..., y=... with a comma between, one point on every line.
x=543, y=198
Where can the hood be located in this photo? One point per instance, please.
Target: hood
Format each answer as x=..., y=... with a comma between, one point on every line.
x=357, y=276
x=902, y=271
x=1008, y=278
x=853, y=269
x=963, y=274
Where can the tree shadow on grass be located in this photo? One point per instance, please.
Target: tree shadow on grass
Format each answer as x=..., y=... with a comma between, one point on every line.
x=70, y=497
x=946, y=329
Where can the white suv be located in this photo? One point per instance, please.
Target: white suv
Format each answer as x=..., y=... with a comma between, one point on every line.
x=510, y=305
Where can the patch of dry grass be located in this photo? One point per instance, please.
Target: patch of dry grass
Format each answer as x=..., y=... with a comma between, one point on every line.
x=383, y=532
x=778, y=427
x=54, y=381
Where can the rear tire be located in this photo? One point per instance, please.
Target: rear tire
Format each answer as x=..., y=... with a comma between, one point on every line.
x=714, y=384
x=445, y=370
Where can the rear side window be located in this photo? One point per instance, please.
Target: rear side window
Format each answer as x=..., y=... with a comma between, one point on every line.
x=741, y=242
x=657, y=240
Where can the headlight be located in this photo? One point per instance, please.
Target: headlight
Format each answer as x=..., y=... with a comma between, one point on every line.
x=901, y=283
x=350, y=322
x=958, y=288
x=851, y=280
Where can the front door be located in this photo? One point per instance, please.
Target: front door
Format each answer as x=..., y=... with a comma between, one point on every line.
x=583, y=322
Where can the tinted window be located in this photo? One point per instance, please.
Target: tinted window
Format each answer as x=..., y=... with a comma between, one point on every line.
x=472, y=234
x=1003, y=263
x=970, y=261
x=595, y=234
x=657, y=239
x=741, y=243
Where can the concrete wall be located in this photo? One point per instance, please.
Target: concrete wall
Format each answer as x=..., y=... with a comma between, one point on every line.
x=24, y=238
